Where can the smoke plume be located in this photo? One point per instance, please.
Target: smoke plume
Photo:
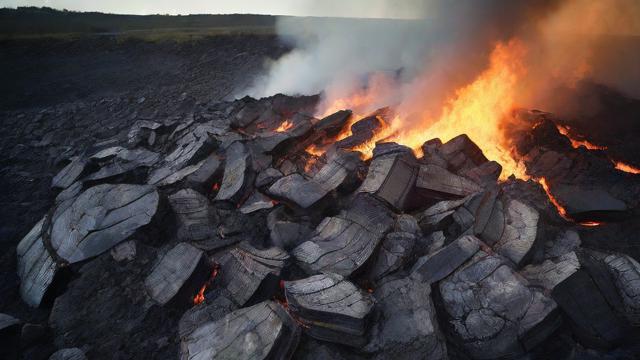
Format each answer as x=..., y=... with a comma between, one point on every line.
x=418, y=64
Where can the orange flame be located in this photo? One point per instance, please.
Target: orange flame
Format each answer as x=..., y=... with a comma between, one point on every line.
x=561, y=210
x=564, y=130
x=626, y=167
x=286, y=125
x=199, y=298
x=477, y=110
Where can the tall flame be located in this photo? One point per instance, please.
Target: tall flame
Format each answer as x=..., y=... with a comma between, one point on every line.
x=479, y=110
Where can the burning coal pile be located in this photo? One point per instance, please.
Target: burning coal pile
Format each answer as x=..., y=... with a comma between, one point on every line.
x=268, y=230
x=395, y=219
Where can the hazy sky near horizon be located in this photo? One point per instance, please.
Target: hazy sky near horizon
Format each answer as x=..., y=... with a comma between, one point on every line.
x=336, y=8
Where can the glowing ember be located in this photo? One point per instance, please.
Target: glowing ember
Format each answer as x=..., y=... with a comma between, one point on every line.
x=314, y=150
x=626, y=167
x=561, y=210
x=564, y=130
x=286, y=125
x=215, y=187
x=199, y=298
x=590, y=223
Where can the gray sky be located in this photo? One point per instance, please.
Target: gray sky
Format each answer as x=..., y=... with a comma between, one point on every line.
x=345, y=8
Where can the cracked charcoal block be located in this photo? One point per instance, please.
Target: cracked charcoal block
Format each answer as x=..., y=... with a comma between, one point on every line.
x=100, y=218
x=520, y=231
x=395, y=251
x=485, y=174
x=235, y=172
x=493, y=311
x=391, y=148
x=195, y=222
x=305, y=192
x=262, y=331
x=551, y=273
x=118, y=160
x=204, y=175
x=249, y=273
x=564, y=243
x=439, y=215
x=257, y=201
x=588, y=204
x=69, y=174
x=331, y=308
x=593, y=319
x=68, y=354
x=180, y=264
x=169, y=176
x=287, y=235
x=205, y=312
x=343, y=244
x=392, y=179
x=626, y=274
x=361, y=132
x=435, y=267
x=333, y=124
x=439, y=183
x=267, y=177
x=462, y=153
x=36, y=267
x=407, y=327
x=407, y=223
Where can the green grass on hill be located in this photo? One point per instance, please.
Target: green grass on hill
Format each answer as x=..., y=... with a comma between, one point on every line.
x=32, y=22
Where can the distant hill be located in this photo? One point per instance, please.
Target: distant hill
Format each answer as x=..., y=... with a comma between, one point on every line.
x=34, y=21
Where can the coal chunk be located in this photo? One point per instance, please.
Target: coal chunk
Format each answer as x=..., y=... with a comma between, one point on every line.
x=100, y=218
x=236, y=171
x=262, y=331
x=493, y=311
x=439, y=183
x=36, y=266
x=304, y=192
x=392, y=179
x=195, y=218
x=331, y=308
x=342, y=244
x=407, y=326
x=177, y=268
x=249, y=273
x=435, y=267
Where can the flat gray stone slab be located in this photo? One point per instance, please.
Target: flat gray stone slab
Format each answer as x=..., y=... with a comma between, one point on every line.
x=172, y=272
x=331, y=308
x=36, y=267
x=262, y=331
x=100, y=218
